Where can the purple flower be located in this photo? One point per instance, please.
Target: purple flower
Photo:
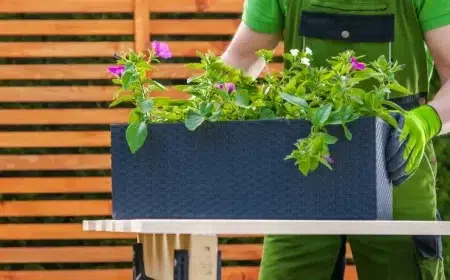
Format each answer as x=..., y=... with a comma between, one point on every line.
x=161, y=49
x=229, y=87
x=357, y=65
x=117, y=70
x=329, y=159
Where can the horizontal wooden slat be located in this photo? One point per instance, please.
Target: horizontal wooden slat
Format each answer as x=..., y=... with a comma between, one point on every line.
x=55, y=162
x=54, y=139
x=65, y=27
x=23, y=185
x=63, y=116
x=90, y=71
x=52, y=208
x=66, y=231
x=203, y=6
x=66, y=6
x=194, y=26
x=95, y=254
x=118, y=27
x=228, y=273
x=73, y=94
x=89, y=6
x=62, y=49
x=103, y=49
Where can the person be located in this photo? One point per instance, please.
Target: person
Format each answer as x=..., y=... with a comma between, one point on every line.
x=410, y=32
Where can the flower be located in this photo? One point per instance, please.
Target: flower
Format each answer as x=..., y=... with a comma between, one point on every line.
x=357, y=65
x=308, y=51
x=305, y=61
x=117, y=70
x=161, y=49
x=229, y=87
x=295, y=52
x=329, y=159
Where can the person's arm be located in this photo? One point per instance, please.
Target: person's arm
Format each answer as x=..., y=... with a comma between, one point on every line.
x=261, y=28
x=438, y=42
x=240, y=53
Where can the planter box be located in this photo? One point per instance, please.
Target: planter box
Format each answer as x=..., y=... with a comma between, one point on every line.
x=236, y=170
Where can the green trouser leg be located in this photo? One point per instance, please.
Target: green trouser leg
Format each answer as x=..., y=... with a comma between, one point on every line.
x=376, y=257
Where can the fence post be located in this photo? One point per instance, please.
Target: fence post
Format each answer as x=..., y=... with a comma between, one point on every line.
x=141, y=25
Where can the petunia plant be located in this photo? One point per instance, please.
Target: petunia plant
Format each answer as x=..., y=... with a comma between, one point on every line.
x=323, y=96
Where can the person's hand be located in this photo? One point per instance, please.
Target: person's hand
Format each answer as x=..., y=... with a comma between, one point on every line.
x=406, y=147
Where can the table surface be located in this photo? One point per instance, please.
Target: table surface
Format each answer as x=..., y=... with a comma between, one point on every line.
x=262, y=227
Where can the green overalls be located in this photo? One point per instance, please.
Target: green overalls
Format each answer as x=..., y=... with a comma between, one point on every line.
x=371, y=28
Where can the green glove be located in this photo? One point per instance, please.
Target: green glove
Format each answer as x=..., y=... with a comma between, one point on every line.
x=406, y=146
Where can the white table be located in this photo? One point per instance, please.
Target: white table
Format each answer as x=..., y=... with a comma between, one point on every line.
x=161, y=237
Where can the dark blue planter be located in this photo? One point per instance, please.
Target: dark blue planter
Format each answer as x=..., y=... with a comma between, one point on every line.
x=236, y=170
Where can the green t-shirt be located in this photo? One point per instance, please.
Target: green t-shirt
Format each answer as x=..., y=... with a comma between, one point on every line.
x=267, y=16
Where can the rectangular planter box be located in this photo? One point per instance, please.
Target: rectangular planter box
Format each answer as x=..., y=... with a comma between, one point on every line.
x=236, y=170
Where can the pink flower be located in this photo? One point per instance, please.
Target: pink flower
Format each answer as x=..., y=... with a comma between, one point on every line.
x=357, y=65
x=229, y=87
x=117, y=70
x=161, y=49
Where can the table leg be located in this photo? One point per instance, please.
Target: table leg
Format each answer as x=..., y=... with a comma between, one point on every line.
x=159, y=255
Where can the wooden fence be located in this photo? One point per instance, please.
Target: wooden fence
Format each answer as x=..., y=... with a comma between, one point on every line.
x=54, y=131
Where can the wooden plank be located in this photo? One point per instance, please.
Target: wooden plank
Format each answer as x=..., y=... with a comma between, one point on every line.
x=90, y=71
x=106, y=49
x=62, y=49
x=73, y=94
x=118, y=27
x=63, y=116
x=54, y=139
x=64, y=231
x=55, y=162
x=66, y=6
x=202, y=6
x=141, y=25
x=95, y=254
x=65, y=27
x=228, y=273
x=24, y=185
x=55, y=232
x=194, y=26
x=52, y=208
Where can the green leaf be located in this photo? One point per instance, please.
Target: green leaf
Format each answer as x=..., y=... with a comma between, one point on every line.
x=242, y=99
x=387, y=118
x=126, y=79
x=330, y=139
x=294, y=100
x=194, y=65
x=158, y=85
x=134, y=116
x=325, y=162
x=136, y=135
x=267, y=114
x=146, y=105
x=346, y=113
x=322, y=115
x=123, y=98
x=193, y=120
x=347, y=132
x=393, y=105
x=304, y=166
x=193, y=79
x=397, y=87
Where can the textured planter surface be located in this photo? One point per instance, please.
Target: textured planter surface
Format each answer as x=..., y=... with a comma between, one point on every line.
x=236, y=170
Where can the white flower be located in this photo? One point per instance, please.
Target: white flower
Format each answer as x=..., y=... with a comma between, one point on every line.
x=305, y=61
x=295, y=52
x=308, y=51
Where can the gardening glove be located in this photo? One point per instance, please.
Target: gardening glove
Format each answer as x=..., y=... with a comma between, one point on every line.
x=406, y=147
